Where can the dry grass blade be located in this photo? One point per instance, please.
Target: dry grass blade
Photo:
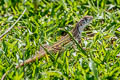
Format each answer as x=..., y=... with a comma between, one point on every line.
x=13, y=24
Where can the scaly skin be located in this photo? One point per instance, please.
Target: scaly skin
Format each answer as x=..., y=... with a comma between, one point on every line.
x=76, y=32
x=55, y=48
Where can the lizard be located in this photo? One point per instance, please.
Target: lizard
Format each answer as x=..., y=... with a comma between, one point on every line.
x=76, y=32
x=57, y=46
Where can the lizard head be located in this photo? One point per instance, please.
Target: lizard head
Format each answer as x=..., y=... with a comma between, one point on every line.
x=83, y=22
x=80, y=26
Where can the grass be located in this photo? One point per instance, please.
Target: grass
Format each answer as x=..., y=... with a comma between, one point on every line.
x=43, y=23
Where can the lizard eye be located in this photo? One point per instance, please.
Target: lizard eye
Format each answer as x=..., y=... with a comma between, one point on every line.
x=83, y=21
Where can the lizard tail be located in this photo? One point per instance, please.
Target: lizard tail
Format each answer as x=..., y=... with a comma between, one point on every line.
x=38, y=56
